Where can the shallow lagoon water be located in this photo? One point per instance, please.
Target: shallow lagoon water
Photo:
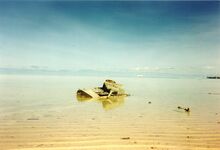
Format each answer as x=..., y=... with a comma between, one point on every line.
x=42, y=112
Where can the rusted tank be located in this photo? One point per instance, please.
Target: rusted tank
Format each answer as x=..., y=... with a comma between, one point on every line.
x=109, y=88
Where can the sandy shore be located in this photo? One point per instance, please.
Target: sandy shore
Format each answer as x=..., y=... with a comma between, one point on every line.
x=60, y=131
x=66, y=124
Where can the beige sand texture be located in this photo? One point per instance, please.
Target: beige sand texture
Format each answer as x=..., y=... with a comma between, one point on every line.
x=110, y=134
x=54, y=120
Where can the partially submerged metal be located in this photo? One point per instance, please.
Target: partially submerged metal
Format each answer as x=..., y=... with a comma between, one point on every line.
x=111, y=94
x=109, y=88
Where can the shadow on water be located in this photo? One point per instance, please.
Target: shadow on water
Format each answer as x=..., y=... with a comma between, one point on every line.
x=107, y=103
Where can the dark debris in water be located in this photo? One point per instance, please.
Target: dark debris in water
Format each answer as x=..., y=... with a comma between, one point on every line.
x=186, y=109
x=33, y=119
x=125, y=138
x=210, y=93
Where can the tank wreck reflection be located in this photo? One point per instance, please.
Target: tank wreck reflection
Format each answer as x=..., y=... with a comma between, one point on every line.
x=107, y=103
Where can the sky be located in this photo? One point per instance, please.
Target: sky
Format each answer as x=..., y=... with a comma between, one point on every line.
x=168, y=37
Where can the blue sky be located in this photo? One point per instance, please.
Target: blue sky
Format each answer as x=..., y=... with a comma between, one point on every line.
x=170, y=37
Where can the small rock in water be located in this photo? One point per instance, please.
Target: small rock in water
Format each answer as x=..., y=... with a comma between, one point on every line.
x=40, y=145
x=33, y=119
x=187, y=109
x=149, y=102
x=125, y=138
x=214, y=93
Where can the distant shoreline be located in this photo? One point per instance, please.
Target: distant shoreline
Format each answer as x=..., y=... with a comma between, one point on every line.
x=213, y=77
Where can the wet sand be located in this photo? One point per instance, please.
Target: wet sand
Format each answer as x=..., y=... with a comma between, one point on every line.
x=43, y=113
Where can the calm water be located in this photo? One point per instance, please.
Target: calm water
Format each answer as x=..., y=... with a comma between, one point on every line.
x=47, y=107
